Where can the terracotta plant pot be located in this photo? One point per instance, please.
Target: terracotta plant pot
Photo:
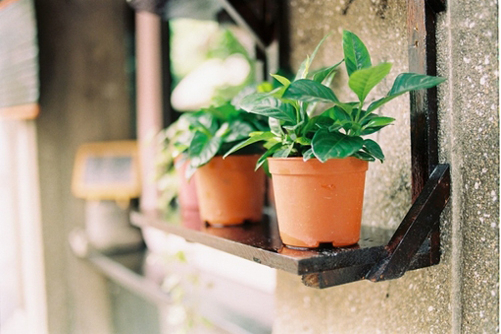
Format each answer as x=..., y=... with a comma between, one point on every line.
x=229, y=191
x=188, y=200
x=318, y=202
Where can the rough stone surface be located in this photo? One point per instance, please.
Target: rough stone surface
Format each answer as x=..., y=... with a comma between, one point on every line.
x=461, y=293
x=470, y=141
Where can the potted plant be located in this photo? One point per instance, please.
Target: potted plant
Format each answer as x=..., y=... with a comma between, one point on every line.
x=229, y=191
x=171, y=181
x=318, y=159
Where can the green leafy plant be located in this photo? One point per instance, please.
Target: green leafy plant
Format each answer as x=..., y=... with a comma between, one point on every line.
x=337, y=130
x=213, y=131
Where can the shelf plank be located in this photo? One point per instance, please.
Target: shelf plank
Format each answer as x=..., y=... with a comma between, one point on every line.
x=260, y=242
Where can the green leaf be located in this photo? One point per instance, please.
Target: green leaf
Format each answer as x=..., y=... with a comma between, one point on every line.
x=379, y=121
x=284, y=152
x=308, y=154
x=309, y=91
x=317, y=122
x=223, y=112
x=203, y=149
x=275, y=127
x=320, y=76
x=327, y=145
x=303, y=141
x=254, y=138
x=269, y=106
x=302, y=72
x=270, y=151
x=362, y=81
x=223, y=130
x=412, y=81
x=364, y=156
x=264, y=87
x=335, y=126
x=293, y=127
x=205, y=122
x=353, y=126
x=305, y=65
x=238, y=130
x=368, y=131
x=404, y=83
x=338, y=113
x=374, y=149
x=283, y=80
x=356, y=56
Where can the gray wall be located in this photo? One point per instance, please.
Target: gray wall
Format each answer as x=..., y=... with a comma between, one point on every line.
x=84, y=97
x=461, y=295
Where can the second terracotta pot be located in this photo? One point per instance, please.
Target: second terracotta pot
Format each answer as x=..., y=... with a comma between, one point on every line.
x=229, y=191
x=188, y=201
x=318, y=202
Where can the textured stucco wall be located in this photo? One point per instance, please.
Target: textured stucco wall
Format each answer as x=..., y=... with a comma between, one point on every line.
x=460, y=294
x=468, y=55
x=83, y=97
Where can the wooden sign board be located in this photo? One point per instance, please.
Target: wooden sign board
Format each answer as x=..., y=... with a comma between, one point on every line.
x=107, y=171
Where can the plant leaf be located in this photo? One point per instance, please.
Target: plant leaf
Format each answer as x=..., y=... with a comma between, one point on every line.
x=284, y=152
x=316, y=122
x=269, y=106
x=308, y=154
x=238, y=130
x=283, y=80
x=327, y=145
x=203, y=149
x=223, y=130
x=223, y=112
x=293, y=127
x=412, y=81
x=341, y=114
x=368, y=131
x=309, y=91
x=404, y=83
x=275, y=126
x=303, y=141
x=305, y=65
x=205, y=122
x=326, y=72
x=254, y=138
x=302, y=72
x=264, y=87
x=374, y=149
x=364, y=156
x=362, y=81
x=379, y=121
x=335, y=127
x=356, y=55
x=270, y=151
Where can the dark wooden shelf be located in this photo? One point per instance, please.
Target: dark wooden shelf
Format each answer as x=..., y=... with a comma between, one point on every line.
x=261, y=243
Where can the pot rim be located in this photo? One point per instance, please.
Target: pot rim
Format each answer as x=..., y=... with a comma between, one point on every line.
x=297, y=166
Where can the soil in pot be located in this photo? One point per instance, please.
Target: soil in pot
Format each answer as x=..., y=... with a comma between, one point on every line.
x=229, y=191
x=318, y=202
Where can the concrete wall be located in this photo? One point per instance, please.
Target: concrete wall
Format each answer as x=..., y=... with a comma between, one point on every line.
x=84, y=97
x=461, y=295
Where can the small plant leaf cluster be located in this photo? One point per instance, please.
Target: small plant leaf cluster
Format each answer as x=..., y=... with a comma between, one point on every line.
x=337, y=131
x=213, y=131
